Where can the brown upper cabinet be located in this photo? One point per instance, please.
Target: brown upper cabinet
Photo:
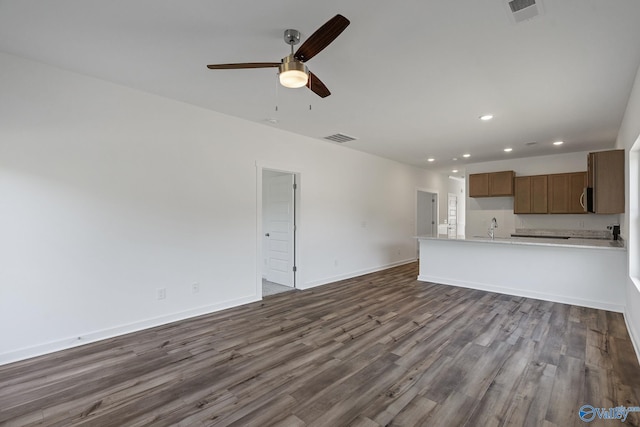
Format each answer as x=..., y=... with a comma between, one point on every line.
x=492, y=184
x=566, y=193
x=479, y=185
x=530, y=195
x=560, y=193
x=605, y=179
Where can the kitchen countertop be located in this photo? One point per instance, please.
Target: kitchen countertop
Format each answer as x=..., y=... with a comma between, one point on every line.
x=573, y=242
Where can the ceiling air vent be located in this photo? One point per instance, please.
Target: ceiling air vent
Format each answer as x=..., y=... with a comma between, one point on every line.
x=340, y=138
x=522, y=10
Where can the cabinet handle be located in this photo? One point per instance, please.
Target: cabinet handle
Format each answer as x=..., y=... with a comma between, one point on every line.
x=582, y=200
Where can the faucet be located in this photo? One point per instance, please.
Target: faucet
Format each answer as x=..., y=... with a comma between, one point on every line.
x=492, y=227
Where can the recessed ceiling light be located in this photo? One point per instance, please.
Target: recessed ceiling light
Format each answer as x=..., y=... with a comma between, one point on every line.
x=455, y=171
x=430, y=159
x=466, y=155
x=271, y=120
x=486, y=117
x=454, y=159
x=508, y=150
x=558, y=143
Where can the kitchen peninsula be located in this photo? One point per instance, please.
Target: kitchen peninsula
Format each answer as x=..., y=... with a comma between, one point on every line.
x=578, y=271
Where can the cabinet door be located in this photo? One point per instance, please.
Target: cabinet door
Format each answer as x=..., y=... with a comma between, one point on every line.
x=501, y=183
x=577, y=183
x=607, y=176
x=539, y=198
x=558, y=193
x=479, y=185
x=522, y=195
x=565, y=191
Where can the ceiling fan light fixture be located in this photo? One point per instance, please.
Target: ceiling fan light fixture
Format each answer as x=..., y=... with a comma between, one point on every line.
x=293, y=79
x=293, y=73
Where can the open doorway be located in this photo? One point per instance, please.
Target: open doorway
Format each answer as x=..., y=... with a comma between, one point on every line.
x=452, y=215
x=426, y=215
x=456, y=188
x=278, y=268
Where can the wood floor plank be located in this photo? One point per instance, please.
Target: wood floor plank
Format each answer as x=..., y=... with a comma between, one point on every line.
x=530, y=401
x=416, y=413
x=377, y=350
x=567, y=394
x=492, y=408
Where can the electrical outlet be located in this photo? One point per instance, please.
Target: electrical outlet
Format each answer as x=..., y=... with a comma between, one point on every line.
x=161, y=293
x=195, y=287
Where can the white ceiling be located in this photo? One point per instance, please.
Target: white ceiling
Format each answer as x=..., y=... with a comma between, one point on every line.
x=409, y=79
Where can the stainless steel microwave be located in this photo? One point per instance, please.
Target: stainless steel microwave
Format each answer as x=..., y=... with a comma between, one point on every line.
x=587, y=200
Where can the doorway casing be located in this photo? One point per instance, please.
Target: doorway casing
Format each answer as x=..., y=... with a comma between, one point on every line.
x=260, y=231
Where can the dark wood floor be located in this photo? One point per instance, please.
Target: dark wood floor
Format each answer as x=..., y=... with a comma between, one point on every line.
x=381, y=349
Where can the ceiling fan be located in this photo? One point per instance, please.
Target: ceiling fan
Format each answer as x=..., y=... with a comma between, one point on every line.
x=292, y=70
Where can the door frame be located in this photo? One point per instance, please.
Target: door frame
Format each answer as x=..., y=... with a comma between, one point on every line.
x=275, y=167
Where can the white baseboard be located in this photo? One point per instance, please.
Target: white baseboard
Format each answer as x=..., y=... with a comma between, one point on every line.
x=525, y=293
x=90, y=337
x=634, y=335
x=353, y=274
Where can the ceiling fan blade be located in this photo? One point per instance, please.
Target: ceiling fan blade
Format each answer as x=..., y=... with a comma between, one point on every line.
x=322, y=38
x=243, y=65
x=316, y=85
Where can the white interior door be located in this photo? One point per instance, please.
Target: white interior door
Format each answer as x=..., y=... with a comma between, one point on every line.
x=427, y=216
x=279, y=223
x=452, y=215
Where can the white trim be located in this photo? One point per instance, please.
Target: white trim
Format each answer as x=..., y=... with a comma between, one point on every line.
x=278, y=167
x=522, y=293
x=633, y=333
x=91, y=337
x=355, y=274
x=633, y=209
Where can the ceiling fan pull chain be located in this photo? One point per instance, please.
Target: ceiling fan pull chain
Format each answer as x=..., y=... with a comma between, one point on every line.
x=277, y=84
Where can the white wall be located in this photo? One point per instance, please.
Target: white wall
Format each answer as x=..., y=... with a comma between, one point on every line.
x=481, y=210
x=629, y=135
x=108, y=194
